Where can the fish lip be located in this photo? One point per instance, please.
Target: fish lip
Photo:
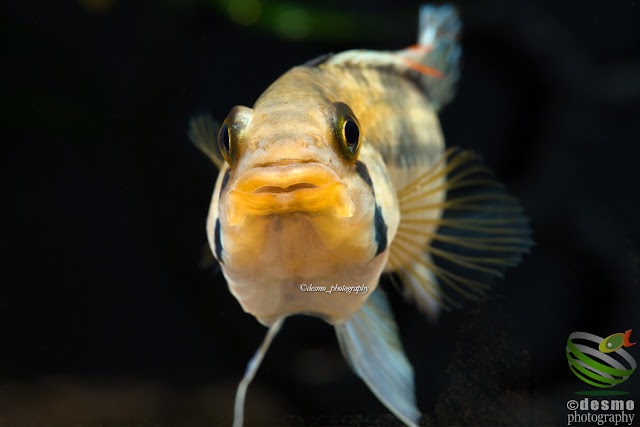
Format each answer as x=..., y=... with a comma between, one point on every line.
x=285, y=176
x=287, y=186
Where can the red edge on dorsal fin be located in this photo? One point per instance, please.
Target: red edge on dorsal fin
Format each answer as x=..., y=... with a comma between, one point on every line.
x=422, y=68
x=420, y=48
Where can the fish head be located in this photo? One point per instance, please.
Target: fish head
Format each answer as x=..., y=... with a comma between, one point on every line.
x=300, y=202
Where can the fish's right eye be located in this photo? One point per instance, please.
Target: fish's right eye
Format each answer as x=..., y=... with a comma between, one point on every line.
x=224, y=142
x=233, y=133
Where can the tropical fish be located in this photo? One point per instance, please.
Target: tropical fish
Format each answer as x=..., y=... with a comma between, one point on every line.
x=338, y=174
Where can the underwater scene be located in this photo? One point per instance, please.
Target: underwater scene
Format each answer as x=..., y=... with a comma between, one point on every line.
x=252, y=212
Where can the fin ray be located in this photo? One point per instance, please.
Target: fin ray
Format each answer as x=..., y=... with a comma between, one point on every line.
x=479, y=233
x=427, y=285
x=471, y=242
x=465, y=225
x=443, y=275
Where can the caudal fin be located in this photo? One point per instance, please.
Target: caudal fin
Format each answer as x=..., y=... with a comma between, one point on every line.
x=371, y=345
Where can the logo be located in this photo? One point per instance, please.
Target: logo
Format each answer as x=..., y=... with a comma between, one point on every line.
x=603, y=365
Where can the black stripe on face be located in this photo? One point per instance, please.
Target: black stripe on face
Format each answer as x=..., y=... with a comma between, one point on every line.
x=218, y=241
x=381, y=230
x=225, y=180
x=362, y=170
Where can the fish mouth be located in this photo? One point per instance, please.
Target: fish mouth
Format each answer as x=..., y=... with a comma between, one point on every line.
x=285, y=187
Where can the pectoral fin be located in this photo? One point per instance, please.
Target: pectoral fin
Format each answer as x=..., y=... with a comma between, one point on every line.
x=481, y=232
x=371, y=345
x=203, y=132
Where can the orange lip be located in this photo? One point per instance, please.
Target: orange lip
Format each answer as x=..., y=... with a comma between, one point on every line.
x=287, y=187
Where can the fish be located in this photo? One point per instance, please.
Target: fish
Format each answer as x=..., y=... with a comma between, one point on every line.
x=616, y=341
x=338, y=174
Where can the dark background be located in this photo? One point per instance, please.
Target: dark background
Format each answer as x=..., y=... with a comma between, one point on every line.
x=107, y=315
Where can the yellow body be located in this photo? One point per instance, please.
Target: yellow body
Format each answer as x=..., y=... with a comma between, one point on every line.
x=294, y=211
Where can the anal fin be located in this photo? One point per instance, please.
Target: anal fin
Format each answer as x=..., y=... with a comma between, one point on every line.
x=372, y=346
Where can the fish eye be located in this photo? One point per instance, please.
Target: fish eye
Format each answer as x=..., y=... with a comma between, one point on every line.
x=346, y=129
x=351, y=134
x=232, y=132
x=224, y=141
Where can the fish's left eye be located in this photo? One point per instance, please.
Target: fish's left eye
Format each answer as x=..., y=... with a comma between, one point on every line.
x=346, y=129
x=351, y=133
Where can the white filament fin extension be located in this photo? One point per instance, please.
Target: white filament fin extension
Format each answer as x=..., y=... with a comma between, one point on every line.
x=252, y=368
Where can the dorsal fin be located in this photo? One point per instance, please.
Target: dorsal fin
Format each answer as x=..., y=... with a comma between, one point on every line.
x=318, y=60
x=433, y=63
